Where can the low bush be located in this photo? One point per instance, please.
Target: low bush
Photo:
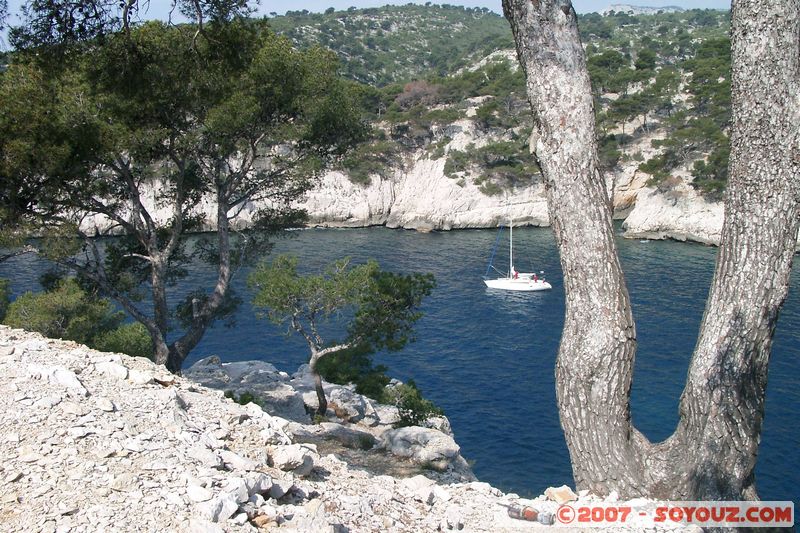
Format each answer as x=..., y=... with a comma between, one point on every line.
x=412, y=408
x=66, y=311
x=131, y=339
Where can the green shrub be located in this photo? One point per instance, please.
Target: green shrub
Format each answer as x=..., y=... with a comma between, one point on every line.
x=608, y=152
x=244, y=398
x=711, y=176
x=65, y=312
x=132, y=339
x=490, y=188
x=457, y=161
x=355, y=366
x=412, y=408
x=372, y=158
x=437, y=150
x=4, y=297
x=443, y=116
x=658, y=167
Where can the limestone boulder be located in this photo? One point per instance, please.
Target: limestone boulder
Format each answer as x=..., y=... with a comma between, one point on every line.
x=209, y=372
x=298, y=459
x=424, y=446
x=351, y=406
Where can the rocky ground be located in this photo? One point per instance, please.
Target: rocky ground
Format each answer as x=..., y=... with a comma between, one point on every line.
x=92, y=441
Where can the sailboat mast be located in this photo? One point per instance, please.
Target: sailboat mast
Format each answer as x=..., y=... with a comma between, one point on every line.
x=510, y=247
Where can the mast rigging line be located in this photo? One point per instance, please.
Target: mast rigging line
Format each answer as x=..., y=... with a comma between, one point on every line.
x=494, y=251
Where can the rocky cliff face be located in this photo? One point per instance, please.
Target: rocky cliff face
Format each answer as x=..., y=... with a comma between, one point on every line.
x=422, y=197
x=418, y=195
x=678, y=212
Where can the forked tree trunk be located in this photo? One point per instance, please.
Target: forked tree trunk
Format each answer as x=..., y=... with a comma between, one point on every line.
x=204, y=315
x=712, y=453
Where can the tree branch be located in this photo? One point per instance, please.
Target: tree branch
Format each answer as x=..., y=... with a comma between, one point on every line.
x=27, y=249
x=126, y=16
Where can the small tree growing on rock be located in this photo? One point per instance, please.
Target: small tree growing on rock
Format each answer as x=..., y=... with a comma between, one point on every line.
x=382, y=306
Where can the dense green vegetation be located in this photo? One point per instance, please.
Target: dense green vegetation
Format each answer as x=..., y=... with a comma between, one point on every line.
x=65, y=310
x=412, y=408
x=369, y=309
x=396, y=43
x=161, y=117
x=667, y=72
x=651, y=63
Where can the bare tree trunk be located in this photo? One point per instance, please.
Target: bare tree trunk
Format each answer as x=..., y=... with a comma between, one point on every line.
x=204, y=316
x=160, y=349
x=322, y=401
x=160, y=311
x=722, y=406
x=595, y=359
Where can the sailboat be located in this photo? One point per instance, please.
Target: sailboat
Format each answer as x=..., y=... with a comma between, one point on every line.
x=513, y=281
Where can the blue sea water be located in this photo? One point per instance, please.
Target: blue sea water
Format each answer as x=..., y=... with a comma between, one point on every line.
x=487, y=357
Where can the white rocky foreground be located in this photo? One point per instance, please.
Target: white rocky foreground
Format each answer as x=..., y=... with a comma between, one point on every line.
x=92, y=441
x=360, y=423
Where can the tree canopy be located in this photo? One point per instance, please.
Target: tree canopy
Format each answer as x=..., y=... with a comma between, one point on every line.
x=375, y=309
x=153, y=128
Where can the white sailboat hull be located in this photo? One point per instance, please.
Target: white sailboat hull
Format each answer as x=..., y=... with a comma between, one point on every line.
x=516, y=281
x=519, y=284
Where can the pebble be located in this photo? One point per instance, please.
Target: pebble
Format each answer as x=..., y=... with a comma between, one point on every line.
x=12, y=477
x=236, y=462
x=280, y=487
x=68, y=379
x=111, y=369
x=236, y=487
x=6, y=350
x=139, y=377
x=258, y=483
x=219, y=509
x=198, y=494
x=125, y=482
x=48, y=402
x=104, y=404
x=73, y=408
x=198, y=525
x=79, y=432
x=205, y=456
x=31, y=457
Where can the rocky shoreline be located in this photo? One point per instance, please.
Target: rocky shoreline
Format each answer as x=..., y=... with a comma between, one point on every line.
x=95, y=441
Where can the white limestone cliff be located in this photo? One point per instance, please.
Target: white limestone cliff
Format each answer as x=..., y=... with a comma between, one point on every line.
x=418, y=195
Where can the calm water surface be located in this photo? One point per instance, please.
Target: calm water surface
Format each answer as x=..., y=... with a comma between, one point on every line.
x=488, y=357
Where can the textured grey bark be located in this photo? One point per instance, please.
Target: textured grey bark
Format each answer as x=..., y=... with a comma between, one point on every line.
x=203, y=314
x=755, y=257
x=712, y=453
